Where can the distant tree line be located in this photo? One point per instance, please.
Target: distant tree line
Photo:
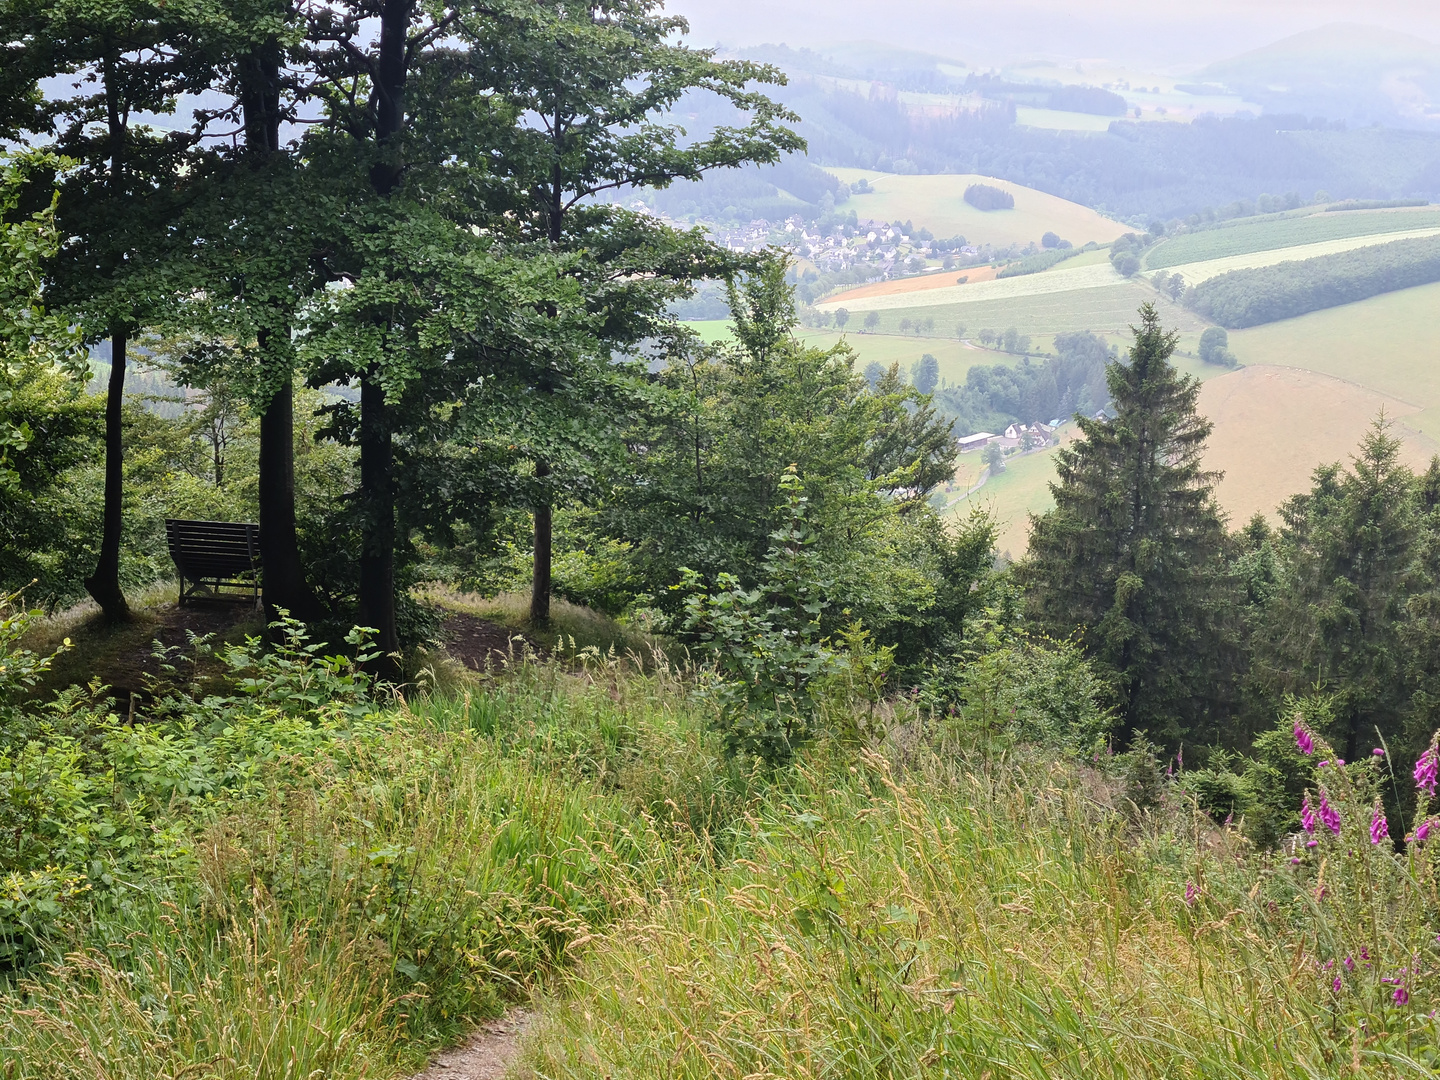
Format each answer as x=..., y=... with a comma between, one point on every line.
x=1265, y=294
x=993, y=396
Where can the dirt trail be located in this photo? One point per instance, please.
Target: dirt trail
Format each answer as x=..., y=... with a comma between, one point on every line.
x=486, y=1054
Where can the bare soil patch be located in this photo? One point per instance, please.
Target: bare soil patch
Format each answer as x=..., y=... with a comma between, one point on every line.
x=486, y=1054
x=480, y=644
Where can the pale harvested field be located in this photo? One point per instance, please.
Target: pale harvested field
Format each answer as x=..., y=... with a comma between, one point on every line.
x=1390, y=343
x=941, y=279
x=1061, y=280
x=1274, y=425
x=937, y=202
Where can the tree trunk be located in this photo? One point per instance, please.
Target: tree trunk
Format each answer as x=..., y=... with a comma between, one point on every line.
x=285, y=584
x=377, y=494
x=540, y=580
x=377, y=546
x=104, y=584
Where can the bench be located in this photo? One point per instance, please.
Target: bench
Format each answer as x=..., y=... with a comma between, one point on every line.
x=212, y=556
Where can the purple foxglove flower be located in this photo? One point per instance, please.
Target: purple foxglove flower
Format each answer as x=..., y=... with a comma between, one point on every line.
x=1303, y=739
x=1329, y=816
x=1336, y=984
x=1192, y=893
x=1401, y=996
x=1307, y=815
x=1322, y=764
x=1349, y=964
x=1379, y=827
x=1427, y=771
x=1422, y=830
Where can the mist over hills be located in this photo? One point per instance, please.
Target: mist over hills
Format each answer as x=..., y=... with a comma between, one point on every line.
x=1351, y=121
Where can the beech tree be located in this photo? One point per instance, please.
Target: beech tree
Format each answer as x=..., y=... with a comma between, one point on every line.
x=597, y=84
x=122, y=58
x=1132, y=557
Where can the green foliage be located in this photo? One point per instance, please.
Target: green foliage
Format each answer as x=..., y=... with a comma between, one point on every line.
x=1132, y=556
x=1243, y=298
x=770, y=644
x=1215, y=347
x=1034, y=264
x=1352, y=614
x=989, y=197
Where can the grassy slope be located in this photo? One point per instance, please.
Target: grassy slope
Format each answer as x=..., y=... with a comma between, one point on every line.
x=1389, y=343
x=954, y=358
x=987, y=917
x=1110, y=309
x=1286, y=231
x=937, y=203
x=1274, y=425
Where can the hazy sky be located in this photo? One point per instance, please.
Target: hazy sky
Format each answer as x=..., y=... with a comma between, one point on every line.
x=1164, y=32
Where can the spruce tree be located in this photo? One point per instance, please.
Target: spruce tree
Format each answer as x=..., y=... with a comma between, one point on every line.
x=1349, y=616
x=1132, y=557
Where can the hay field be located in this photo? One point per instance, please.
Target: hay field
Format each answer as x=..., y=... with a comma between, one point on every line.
x=1274, y=425
x=1388, y=343
x=937, y=203
x=1062, y=279
x=1059, y=120
x=1266, y=234
x=940, y=279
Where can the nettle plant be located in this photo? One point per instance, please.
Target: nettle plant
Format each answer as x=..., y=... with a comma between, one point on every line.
x=1377, y=941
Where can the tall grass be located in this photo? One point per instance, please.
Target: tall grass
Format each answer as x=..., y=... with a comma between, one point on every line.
x=375, y=897
x=1006, y=919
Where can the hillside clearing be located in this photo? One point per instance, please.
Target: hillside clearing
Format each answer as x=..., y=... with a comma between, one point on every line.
x=1061, y=279
x=937, y=202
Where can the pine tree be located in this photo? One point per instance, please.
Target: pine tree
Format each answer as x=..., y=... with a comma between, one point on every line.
x=1132, y=555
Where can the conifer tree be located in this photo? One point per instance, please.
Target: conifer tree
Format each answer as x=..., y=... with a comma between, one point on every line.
x=1132, y=555
x=1351, y=596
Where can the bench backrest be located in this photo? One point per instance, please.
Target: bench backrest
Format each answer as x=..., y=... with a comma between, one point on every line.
x=213, y=548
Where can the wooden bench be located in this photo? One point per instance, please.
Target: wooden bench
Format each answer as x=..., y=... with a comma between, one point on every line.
x=212, y=556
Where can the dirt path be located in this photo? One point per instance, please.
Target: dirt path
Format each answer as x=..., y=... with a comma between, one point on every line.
x=488, y=1052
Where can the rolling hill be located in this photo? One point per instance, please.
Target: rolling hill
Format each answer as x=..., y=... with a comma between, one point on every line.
x=937, y=202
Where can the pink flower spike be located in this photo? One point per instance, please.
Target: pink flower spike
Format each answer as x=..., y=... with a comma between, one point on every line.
x=1349, y=964
x=1192, y=893
x=1303, y=739
x=1307, y=815
x=1336, y=984
x=1401, y=996
x=1378, y=752
x=1323, y=764
x=1423, y=830
x=1311, y=843
x=1329, y=816
x=1379, y=827
x=1427, y=771
x=1340, y=761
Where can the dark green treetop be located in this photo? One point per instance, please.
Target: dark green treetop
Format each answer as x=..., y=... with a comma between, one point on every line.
x=1132, y=555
